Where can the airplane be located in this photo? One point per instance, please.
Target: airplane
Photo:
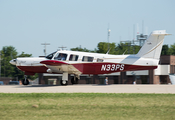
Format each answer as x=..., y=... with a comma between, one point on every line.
x=73, y=62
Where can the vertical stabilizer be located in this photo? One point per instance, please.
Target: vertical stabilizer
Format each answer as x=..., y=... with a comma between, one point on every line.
x=153, y=45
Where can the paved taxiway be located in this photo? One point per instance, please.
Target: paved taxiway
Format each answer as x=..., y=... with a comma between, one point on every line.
x=88, y=89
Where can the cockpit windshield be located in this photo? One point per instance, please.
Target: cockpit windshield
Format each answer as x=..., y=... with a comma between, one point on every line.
x=60, y=56
x=50, y=56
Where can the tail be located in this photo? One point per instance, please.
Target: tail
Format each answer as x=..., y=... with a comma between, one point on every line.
x=153, y=45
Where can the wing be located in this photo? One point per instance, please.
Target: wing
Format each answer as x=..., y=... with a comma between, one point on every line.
x=55, y=66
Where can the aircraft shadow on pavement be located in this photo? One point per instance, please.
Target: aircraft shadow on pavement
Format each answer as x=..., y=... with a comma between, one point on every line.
x=26, y=86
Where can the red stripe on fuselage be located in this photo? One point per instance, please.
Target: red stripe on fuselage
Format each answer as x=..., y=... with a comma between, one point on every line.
x=106, y=68
x=91, y=68
x=52, y=62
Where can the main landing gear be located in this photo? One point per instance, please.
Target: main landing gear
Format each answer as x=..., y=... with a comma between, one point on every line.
x=25, y=81
x=74, y=80
x=64, y=80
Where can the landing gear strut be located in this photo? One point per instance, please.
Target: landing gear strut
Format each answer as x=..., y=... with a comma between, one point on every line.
x=25, y=81
x=74, y=80
x=64, y=80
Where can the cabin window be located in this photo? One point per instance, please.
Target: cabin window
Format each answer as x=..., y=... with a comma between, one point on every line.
x=87, y=59
x=50, y=56
x=73, y=57
x=60, y=56
x=99, y=60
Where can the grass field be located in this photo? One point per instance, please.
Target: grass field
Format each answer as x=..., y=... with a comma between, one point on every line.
x=101, y=106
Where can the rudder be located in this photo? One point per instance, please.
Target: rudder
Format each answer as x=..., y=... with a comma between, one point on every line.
x=153, y=45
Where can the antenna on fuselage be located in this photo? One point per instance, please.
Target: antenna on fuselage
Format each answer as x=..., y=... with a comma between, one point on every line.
x=125, y=51
x=108, y=50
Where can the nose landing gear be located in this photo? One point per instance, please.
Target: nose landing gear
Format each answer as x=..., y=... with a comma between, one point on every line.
x=25, y=81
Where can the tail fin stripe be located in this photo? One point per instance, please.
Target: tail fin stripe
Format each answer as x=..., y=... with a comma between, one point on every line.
x=154, y=48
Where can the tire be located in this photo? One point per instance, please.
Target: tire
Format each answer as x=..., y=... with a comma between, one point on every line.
x=25, y=82
x=74, y=81
x=62, y=82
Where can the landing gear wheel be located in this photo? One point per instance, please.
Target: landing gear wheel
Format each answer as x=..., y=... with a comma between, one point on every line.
x=74, y=81
x=63, y=82
x=25, y=81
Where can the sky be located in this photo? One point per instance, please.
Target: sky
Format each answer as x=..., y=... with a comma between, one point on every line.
x=26, y=24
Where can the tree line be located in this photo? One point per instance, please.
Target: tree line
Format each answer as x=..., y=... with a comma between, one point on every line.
x=9, y=52
x=8, y=70
x=124, y=48
x=166, y=50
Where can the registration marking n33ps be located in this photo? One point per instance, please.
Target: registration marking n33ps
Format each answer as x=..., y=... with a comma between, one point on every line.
x=112, y=67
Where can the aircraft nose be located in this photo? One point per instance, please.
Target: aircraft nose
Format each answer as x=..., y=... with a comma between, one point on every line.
x=13, y=62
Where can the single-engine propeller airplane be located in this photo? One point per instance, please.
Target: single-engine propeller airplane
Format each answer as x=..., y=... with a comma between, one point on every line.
x=77, y=63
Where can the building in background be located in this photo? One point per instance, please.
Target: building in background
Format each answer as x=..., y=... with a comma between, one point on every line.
x=141, y=39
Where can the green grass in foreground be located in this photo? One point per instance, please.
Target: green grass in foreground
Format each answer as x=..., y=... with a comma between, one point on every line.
x=65, y=106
